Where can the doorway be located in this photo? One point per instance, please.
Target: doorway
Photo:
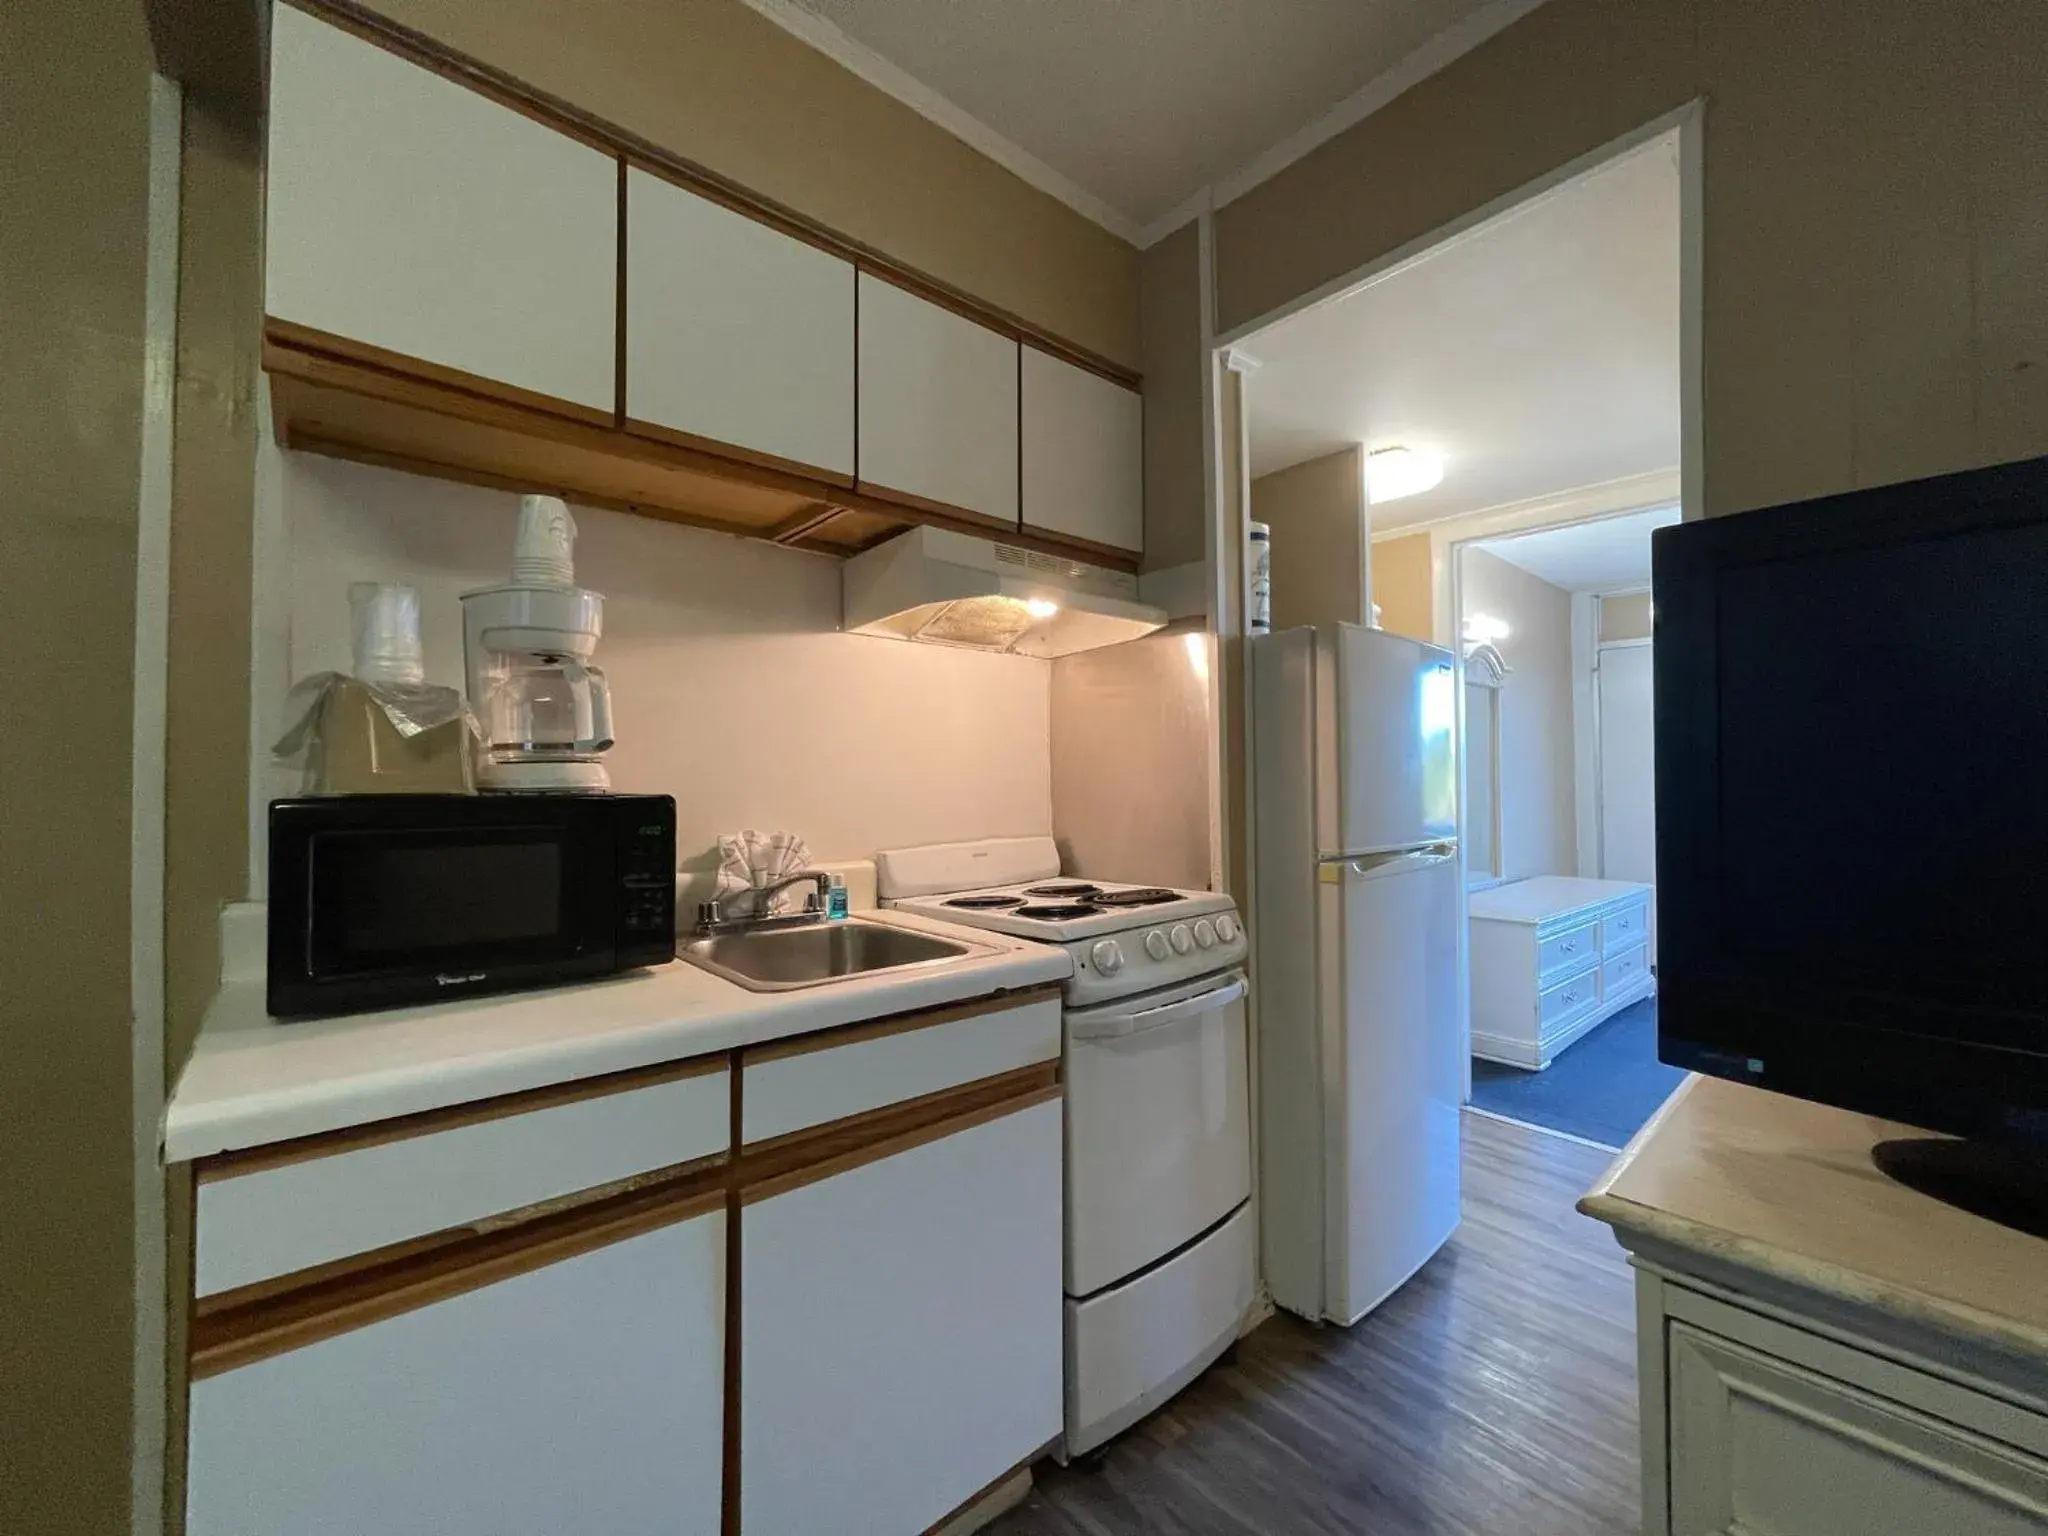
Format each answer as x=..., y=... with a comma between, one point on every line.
x=1560, y=661
x=1420, y=449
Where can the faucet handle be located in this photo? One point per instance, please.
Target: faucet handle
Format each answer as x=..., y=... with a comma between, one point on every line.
x=708, y=912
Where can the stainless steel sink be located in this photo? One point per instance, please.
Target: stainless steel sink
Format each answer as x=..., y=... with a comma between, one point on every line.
x=783, y=959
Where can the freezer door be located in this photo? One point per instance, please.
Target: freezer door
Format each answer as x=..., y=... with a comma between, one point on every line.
x=1396, y=1075
x=1395, y=707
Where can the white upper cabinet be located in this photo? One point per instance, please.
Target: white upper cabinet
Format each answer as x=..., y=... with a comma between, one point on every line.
x=412, y=214
x=1084, y=454
x=938, y=404
x=735, y=331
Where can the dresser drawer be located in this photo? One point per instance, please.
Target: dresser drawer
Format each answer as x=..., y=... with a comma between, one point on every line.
x=1623, y=973
x=1568, y=952
x=1624, y=928
x=1556, y=1005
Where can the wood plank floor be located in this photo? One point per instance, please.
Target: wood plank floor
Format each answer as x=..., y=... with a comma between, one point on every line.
x=1494, y=1394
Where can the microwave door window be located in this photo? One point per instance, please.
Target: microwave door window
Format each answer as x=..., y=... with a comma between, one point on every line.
x=384, y=903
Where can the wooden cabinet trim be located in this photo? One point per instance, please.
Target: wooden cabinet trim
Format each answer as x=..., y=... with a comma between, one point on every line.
x=428, y=1122
x=237, y=1329
x=588, y=128
x=738, y=455
x=308, y=382
x=943, y=1524
x=771, y=1168
x=894, y=1024
x=306, y=339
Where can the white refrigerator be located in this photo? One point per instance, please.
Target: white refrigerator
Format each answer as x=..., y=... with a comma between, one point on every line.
x=1358, y=894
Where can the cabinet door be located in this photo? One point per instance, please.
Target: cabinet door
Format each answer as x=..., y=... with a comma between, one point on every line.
x=736, y=332
x=1084, y=454
x=1762, y=1445
x=901, y=1332
x=412, y=214
x=585, y=1395
x=938, y=405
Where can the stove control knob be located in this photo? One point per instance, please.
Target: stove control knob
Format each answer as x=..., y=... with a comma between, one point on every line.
x=1183, y=941
x=1205, y=934
x=1155, y=944
x=1226, y=928
x=1108, y=956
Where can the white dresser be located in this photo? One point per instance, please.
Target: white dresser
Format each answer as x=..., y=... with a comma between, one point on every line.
x=1552, y=957
x=1821, y=1351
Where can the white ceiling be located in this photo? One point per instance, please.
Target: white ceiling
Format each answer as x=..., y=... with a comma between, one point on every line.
x=1137, y=104
x=1539, y=354
x=1609, y=554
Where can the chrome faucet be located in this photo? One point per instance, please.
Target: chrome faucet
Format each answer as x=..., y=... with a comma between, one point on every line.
x=711, y=917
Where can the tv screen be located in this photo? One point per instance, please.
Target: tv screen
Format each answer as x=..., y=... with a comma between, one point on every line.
x=1852, y=798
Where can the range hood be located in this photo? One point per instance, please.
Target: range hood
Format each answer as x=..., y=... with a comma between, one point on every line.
x=949, y=588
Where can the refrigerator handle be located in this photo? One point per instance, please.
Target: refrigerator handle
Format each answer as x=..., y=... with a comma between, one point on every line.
x=1404, y=858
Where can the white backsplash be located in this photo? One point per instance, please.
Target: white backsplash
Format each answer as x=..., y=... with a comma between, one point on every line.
x=732, y=689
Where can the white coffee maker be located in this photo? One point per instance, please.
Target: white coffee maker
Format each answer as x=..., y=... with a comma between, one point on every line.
x=545, y=712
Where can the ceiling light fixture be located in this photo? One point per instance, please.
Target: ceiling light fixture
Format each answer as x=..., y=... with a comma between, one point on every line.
x=1041, y=607
x=1391, y=473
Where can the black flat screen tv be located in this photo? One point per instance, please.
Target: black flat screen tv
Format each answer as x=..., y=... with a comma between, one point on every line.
x=1852, y=801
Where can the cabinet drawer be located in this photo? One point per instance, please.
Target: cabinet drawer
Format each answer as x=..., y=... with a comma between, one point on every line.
x=275, y=1211
x=1623, y=973
x=1557, y=1004
x=1624, y=928
x=1567, y=952
x=1761, y=1444
x=796, y=1084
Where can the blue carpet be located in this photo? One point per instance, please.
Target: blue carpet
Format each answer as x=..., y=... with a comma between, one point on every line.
x=1602, y=1088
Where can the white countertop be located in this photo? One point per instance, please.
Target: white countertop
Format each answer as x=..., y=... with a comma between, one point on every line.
x=1543, y=896
x=1787, y=1188
x=252, y=1080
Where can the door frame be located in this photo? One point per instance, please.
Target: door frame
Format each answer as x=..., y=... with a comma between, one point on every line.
x=1595, y=769
x=1226, y=471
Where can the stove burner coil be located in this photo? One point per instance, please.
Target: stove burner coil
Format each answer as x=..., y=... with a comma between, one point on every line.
x=1058, y=912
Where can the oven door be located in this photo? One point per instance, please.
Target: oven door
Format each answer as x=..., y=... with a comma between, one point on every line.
x=414, y=910
x=1158, y=1125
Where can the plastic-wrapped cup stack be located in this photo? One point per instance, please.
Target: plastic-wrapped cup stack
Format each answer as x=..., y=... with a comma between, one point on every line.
x=386, y=633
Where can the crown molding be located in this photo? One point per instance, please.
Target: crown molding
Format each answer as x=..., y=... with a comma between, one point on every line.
x=1440, y=51
x=891, y=80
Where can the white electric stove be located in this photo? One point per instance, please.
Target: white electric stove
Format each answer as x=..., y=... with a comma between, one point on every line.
x=1161, y=1251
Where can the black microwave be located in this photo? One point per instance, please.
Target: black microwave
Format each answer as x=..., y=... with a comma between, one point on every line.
x=378, y=901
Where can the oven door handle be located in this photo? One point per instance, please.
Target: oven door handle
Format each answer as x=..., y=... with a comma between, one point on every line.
x=1115, y=1026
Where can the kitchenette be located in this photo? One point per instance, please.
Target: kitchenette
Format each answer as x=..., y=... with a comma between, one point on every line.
x=735, y=1025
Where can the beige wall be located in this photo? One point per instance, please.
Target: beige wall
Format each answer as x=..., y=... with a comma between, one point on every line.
x=1876, y=238
x=718, y=84
x=220, y=306
x=1404, y=585
x=1538, y=815
x=1625, y=616
x=1316, y=511
x=1172, y=362
x=1131, y=798
x=732, y=689
x=74, y=159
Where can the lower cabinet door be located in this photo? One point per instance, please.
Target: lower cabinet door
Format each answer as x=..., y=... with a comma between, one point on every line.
x=901, y=1332
x=1764, y=1446
x=583, y=1395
